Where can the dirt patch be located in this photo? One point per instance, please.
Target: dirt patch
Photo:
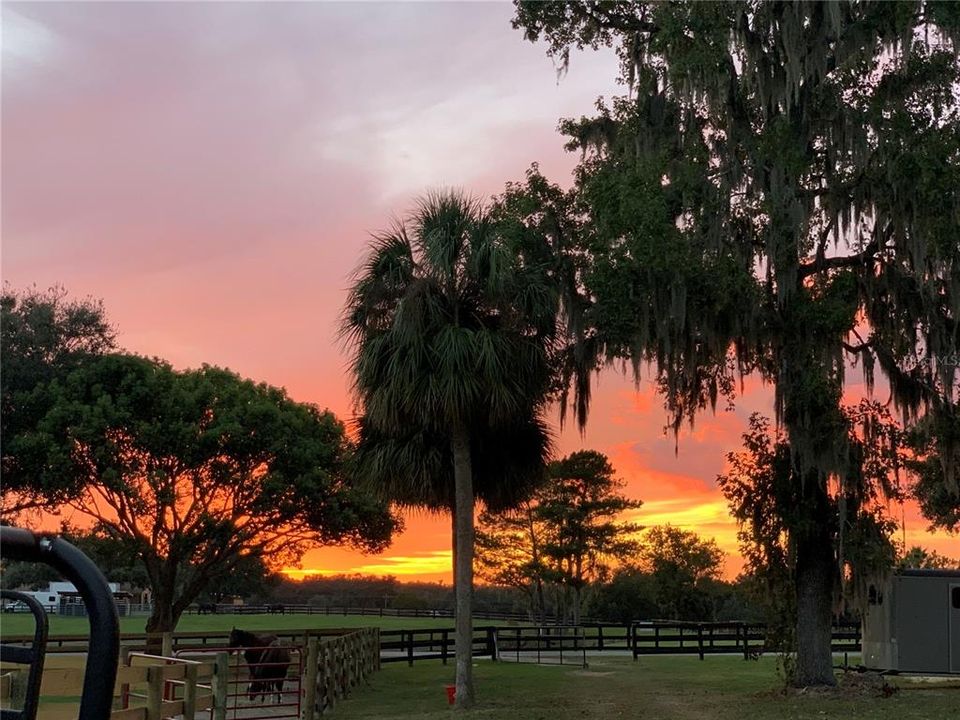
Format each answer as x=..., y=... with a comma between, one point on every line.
x=593, y=673
x=849, y=685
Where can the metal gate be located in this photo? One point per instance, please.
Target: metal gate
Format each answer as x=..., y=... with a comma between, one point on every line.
x=547, y=645
x=248, y=700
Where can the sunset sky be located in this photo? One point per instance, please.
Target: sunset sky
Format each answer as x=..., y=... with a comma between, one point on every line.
x=213, y=171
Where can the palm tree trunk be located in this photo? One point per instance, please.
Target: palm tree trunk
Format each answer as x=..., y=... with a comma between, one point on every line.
x=463, y=581
x=453, y=550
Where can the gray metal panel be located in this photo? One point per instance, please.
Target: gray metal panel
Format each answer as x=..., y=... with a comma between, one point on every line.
x=879, y=653
x=954, y=604
x=921, y=625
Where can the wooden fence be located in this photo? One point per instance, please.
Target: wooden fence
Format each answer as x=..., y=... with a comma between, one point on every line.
x=748, y=639
x=647, y=638
x=147, y=688
x=335, y=665
x=432, y=644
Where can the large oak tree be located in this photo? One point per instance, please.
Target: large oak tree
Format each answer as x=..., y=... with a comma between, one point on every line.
x=776, y=193
x=199, y=470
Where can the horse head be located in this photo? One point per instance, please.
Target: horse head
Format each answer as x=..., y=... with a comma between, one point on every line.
x=238, y=638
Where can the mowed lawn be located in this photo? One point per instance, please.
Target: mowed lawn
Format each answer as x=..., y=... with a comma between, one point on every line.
x=22, y=624
x=660, y=688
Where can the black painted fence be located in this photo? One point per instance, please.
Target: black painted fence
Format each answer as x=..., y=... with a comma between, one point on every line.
x=748, y=639
x=642, y=638
x=432, y=644
x=286, y=609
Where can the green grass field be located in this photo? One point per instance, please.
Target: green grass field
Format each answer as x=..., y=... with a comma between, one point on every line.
x=661, y=688
x=22, y=624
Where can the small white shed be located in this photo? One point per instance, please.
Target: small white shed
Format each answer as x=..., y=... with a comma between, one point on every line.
x=912, y=623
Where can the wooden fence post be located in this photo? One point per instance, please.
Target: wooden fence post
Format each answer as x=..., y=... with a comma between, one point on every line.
x=700, y=641
x=221, y=682
x=410, y=648
x=189, y=692
x=599, y=637
x=125, y=687
x=310, y=678
x=443, y=647
x=154, y=691
x=491, y=643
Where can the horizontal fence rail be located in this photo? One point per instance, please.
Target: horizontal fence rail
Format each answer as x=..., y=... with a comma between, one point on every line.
x=174, y=641
x=432, y=644
x=147, y=688
x=748, y=639
x=292, y=609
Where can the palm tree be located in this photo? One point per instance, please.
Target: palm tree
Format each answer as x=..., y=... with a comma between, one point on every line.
x=415, y=469
x=453, y=336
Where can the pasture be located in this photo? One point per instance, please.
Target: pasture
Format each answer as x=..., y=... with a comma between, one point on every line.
x=661, y=688
x=22, y=624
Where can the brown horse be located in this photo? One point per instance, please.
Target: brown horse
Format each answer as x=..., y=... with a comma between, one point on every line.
x=267, y=662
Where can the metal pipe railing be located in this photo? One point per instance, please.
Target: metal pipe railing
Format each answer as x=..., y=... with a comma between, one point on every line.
x=104, y=647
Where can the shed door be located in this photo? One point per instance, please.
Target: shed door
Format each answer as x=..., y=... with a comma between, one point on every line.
x=955, y=628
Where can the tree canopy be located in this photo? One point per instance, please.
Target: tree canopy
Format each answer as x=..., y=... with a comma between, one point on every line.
x=776, y=193
x=675, y=574
x=681, y=565
x=197, y=470
x=919, y=557
x=568, y=535
x=43, y=335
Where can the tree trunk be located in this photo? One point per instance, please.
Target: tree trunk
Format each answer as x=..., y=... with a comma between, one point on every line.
x=542, y=602
x=463, y=581
x=453, y=552
x=535, y=563
x=815, y=573
x=162, y=619
x=577, y=589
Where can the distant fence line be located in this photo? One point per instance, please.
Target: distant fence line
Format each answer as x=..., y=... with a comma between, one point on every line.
x=79, y=609
x=291, y=609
